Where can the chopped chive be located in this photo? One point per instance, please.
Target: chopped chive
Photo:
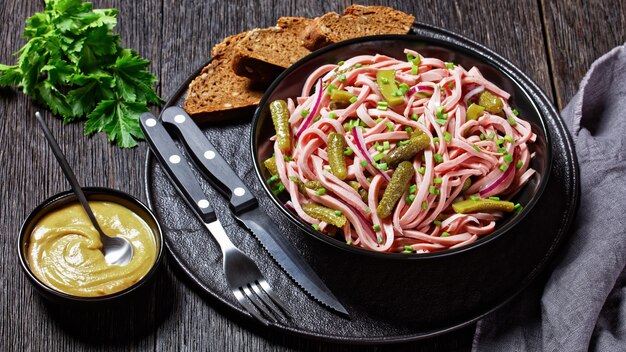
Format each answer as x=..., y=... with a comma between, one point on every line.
x=435, y=139
x=438, y=158
x=348, y=151
x=515, y=112
x=519, y=164
x=287, y=158
x=321, y=191
x=376, y=227
x=338, y=212
x=279, y=188
x=445, y=234
x=349, y=242
x=437, y=180
x=377, y=157
x=494, y=198
x=364, y=163
x=437, y=222
x=441, y=121
x=389, y=125
x=517, y=208
x=317, y=118
x=477, y=148
x=316, y=227
x=512, y=121
x=332, y=115
x=503, y=167
x=491, y=135
x=331, y=88
x=341, y=78
x=353, y=100
x=382, y=166
x=386, y=145
x=424, y=205
x=358, y=65
x=368, y=210
x=508, y=138
x=433, y=190
x=444, y=116
x=384, y=80
x=449, y=65
x=508, y=158
x=378, y=147
x=411, y=198
x=369, y=180
x=404, y=88
x=380, y=239
x=414, y=116
x=414, y=70
x=410, y=57
x=451, y=86
x=340, y=63
x=501, y=150
x=482, y=136
x=409, y=129
x=439, y=112
x=382, y=105
x=500, y=141
x=447, y=137
x=397, y=93
x=304, y=112
x=403, y=142
x=272, y=179
x=408, y=249
x=412, y=188
x=378, y=120
x=421, y=170
x=294, y=179
x=475, y=198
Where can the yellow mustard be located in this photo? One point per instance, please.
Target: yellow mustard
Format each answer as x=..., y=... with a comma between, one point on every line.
x=64, y=249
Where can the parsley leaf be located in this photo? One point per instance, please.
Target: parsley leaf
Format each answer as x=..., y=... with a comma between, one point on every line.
x=73, y=63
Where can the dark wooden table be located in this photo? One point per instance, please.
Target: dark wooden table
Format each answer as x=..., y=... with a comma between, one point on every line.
x=552, y=41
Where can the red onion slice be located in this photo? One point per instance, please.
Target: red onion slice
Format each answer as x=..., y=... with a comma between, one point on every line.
x=357, y=134
x=313, y=112
x=498, y=181
x=421, y=89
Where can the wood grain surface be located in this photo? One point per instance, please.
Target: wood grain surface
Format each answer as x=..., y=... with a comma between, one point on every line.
x=554, y=42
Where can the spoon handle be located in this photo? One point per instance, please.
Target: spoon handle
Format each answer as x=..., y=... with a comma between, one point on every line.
x=67, y=170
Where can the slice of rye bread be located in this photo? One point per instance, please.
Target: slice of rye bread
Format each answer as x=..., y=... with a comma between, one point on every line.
x=217, y=93
x=357, y=21
x=264, y=53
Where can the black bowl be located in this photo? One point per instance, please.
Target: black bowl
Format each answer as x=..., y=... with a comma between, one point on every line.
x=92, y=193
x=432, y=287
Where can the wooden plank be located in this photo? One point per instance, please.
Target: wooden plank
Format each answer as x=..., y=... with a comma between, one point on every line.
x=578, y=32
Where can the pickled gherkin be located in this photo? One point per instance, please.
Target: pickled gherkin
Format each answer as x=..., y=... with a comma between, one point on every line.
x=280, y=117
x=418, y=142
x=399, y=184
x=472, y=206
x=313, y=184
x=270, y=165
x=386, y=81
x=336, y=157
x=340, y=99
x=490, y=102
x=325, y=214
x=474, y=111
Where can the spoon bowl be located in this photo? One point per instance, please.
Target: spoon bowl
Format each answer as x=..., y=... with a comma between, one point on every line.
x=116, y=250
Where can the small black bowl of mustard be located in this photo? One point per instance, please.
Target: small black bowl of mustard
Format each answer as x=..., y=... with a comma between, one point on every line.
x=60, y=251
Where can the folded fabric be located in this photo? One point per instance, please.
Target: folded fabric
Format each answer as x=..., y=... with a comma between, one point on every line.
x=581, y=305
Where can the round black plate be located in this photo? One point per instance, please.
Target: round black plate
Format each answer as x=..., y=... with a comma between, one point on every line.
x=199, y=256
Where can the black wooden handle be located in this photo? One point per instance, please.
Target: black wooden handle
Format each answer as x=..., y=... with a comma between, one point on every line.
x=176, y=166
x=213, y=165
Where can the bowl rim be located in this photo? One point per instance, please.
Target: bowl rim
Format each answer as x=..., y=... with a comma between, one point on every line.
x=65, y=195
x=456, y=44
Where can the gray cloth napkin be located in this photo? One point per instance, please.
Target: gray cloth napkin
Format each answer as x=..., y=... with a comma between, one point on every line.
x=582, y=305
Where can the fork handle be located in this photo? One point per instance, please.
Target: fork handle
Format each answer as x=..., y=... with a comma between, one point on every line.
x=209, y=161
x=176, y=167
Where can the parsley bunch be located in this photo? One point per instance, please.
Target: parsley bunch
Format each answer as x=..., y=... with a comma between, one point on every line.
x=74, y=64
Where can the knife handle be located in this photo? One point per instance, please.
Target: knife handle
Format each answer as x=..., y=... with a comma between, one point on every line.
x=179, y=172
x=218, y=171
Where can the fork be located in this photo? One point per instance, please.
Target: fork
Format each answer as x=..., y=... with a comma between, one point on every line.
x=246, y=281
x=243, y=276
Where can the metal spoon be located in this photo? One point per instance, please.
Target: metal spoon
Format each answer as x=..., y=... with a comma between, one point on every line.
x=116, y=250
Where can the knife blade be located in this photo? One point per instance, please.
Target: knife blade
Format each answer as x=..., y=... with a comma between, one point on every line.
x=245, y=207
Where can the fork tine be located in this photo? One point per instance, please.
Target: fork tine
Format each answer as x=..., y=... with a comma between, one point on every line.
x=257, y=303
x=276, y=310
x=268, y=289
x=249, y=307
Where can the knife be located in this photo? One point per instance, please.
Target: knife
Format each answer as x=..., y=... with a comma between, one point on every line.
x=245, y=207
